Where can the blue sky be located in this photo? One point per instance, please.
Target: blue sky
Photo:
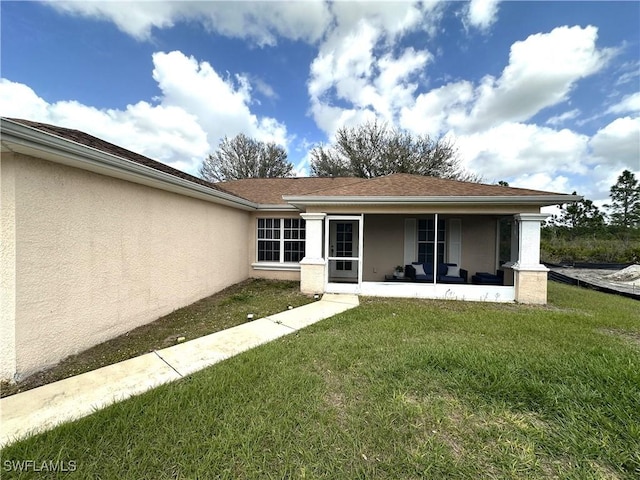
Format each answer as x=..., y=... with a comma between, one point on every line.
x=540, y=94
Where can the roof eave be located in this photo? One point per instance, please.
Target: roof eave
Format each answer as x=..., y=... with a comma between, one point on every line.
x=538, y=200
x=279, y=207
x=27, y=140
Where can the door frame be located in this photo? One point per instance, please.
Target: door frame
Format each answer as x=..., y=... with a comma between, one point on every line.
x=343, y=287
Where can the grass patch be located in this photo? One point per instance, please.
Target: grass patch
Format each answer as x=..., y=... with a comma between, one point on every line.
x=220, y=311
x=392, y=389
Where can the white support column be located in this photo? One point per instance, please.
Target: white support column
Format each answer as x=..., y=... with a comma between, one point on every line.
x=530, y=276
x=312, y=266
x=528, y=225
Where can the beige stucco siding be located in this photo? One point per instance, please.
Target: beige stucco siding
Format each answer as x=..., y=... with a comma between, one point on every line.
x=479, y=244
x=383, y=246
x=98, y=256
x=7, y=269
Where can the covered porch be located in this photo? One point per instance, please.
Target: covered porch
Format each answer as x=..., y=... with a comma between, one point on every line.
x=358, y=253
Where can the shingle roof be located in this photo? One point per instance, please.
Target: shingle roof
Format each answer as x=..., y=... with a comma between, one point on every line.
x=271, y=190
x=104, y=146
x=403, y=184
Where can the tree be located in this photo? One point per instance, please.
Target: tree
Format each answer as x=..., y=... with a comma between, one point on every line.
x=625, y=201
x=373, y=150
x=579, y=217
x=244, y=157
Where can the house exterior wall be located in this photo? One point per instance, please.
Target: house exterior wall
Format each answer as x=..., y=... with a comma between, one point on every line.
x=479, y=244
x=383, y=246
x=96, y=257
x=7, y=269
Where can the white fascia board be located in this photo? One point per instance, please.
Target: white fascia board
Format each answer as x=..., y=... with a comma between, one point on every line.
x=540, y=200
x=26, y=140
x=278, y=207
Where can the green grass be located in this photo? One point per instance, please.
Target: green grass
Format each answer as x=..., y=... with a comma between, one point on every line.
x=223, y=310
x=394, y=389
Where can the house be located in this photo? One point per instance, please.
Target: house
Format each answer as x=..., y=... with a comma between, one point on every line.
x=97, y=240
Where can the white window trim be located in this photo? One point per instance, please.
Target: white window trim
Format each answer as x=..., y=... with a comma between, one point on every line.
x=437, y=244
x=281, y=265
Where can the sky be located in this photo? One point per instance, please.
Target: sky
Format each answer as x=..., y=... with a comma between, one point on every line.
x=543, y=95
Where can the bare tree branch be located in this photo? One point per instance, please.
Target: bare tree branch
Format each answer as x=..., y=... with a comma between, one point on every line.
x=374, y=149
x=244, y=157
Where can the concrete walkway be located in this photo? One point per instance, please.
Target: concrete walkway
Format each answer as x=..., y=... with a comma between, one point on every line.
x=43, y=408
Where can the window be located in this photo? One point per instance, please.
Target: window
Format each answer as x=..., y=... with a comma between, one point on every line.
x=344, y=245
x=293, y=239
x=426, y=240
x=268, y=239
x=281, y=240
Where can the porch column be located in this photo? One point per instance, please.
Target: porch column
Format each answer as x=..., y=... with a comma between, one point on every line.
x=312, y=266
x=530, y=276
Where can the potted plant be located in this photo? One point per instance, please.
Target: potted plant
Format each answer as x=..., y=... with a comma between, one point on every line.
x=399, y=272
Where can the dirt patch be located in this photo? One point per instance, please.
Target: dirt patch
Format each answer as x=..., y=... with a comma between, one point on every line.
x=601, y=278
x=630, y=275
x=627, y=335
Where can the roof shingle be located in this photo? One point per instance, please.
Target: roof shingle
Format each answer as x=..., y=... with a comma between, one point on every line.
x=94, y=142
x=271, y=190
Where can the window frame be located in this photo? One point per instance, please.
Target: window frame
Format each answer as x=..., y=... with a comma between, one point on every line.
x=290, y=237
x=439, y=227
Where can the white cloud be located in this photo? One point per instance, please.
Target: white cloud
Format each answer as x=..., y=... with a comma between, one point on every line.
x=433, y=112
x=563, y=117
x=261, y=22
x=481, y=14
x=220, y=105
x=629, y=104
x=196, y=109
x=349, y=70
x=513, y=149
x=542, y=181
x=18, y=100
x=542, y=71
x=618, y=143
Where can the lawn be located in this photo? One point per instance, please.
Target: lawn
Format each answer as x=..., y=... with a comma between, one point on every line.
x=394, y=389
x=223, y=310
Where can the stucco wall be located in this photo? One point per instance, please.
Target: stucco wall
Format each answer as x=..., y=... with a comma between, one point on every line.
x=7, y=268
x=98, y=256
x=479, y=244
x=383, y=246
